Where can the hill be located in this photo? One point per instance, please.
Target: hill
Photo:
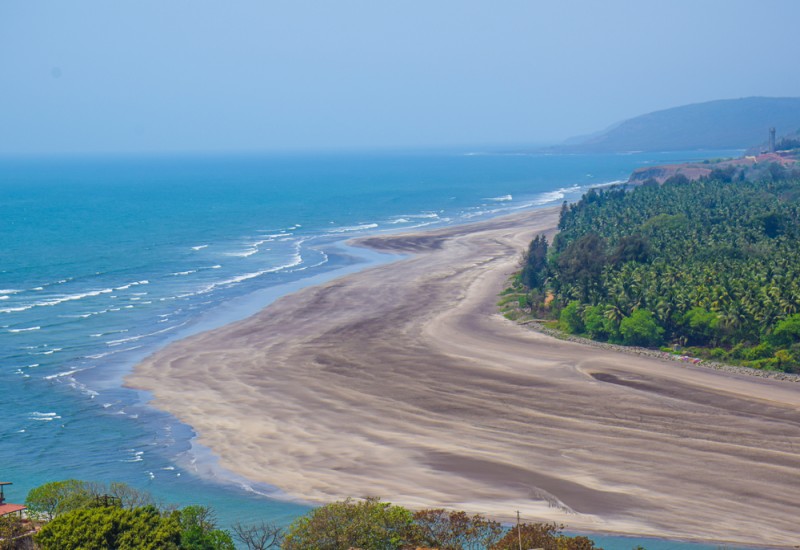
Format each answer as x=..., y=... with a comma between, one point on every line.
x=721, y=124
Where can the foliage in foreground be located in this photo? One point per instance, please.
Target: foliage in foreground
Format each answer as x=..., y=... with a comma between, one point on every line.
x=91, y=516
x=14, y=533
x=375, y=525
x=79, y=519
x=713, y=265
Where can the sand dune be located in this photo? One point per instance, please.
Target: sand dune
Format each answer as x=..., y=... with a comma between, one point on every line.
x=403, y=382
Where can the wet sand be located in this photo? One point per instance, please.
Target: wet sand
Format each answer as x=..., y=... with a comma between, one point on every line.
x=403, y=382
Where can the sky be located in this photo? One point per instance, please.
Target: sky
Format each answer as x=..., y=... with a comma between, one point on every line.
x=99, y=76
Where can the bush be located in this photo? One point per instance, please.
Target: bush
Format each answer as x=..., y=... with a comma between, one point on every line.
x=111, y=527
x=542, y=535
x=447, y=530
x=368, y=525
x=701, y=325
x=58, y=497
x=786, y=332
x=12, y=531
x=718, y=353
x=570, y=319
x=641, y=329
x=761, y=351
x=594, y=322
x=199, y=530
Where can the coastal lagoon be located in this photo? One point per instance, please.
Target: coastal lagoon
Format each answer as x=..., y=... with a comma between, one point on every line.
x=105, y=260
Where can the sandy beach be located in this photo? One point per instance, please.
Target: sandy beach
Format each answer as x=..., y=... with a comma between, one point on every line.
x=403, y=381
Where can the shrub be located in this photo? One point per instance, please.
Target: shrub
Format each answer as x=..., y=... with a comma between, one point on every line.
x=58, y=497
x=641, y=329
x=448, y=530
x=786, y=332
x=570, y=319
x=761, y=351
x=542, y=535
x=368, y=525
x=701, y=325
x=111, y=527
x=594, y=322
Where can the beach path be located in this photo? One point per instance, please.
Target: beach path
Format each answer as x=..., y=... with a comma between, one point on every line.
x=403, y=382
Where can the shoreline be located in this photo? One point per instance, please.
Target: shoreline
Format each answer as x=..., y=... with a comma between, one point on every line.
x=296, y=397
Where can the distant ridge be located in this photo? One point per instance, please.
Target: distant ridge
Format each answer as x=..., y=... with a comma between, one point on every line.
x=721, y=124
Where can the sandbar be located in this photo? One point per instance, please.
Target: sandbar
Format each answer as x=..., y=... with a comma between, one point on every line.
x=403, y=382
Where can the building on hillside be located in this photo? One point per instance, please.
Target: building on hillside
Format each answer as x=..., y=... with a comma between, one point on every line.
x=7, y=508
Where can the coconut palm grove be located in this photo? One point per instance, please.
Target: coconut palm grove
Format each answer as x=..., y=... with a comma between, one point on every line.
x=711, y=267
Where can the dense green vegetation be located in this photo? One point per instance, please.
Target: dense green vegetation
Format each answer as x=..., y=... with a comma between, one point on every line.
x=93, y=516
x=713, y=265
x=375, y=525
x=77, y=516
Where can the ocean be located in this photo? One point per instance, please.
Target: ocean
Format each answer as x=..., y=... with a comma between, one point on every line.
x=105, y=259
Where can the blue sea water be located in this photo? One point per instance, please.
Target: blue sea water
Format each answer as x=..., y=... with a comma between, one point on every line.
x=105, y=259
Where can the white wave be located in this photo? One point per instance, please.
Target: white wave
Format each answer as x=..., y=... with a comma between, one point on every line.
x=553, y=196
x=607, y=184
x=77, y=316
x=421, y=215
x=67, y=298
x=297, y=260
x=179, y=273
x=114, y=352
x=503, y=198
x=244, y=253
x=140, y=336
x=215, y=266
x=38, y=288
x=272, y=236
x=321, y=262
x=400, y=220
x=416, y=226
x=62, y=374
x=46, y=417
x=99, y=334
x=3, y=297
x=50, y=352
x=15, y=309
x=29, y=329
x=9, y=291
x=362, y=227
x=200, y=247
x=135, y=283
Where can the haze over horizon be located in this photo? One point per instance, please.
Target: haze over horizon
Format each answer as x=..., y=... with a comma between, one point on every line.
x=94, y=77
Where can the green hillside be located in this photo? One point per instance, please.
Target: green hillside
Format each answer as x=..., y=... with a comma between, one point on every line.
x=722, y=124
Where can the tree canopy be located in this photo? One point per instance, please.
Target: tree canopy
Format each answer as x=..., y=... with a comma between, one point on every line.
x=95, y=516
x=713, y=264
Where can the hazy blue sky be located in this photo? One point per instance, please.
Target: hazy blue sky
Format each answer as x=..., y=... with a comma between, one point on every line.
x=199, y=75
